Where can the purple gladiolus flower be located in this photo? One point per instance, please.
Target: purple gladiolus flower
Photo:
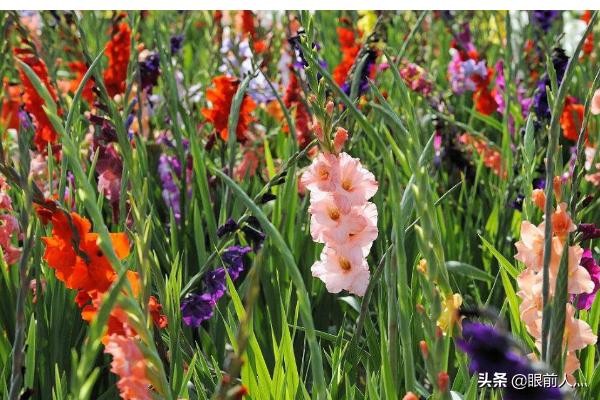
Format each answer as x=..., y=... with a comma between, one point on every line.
x=170, y=190
x=590, y=231
x=540, y=98
x=215, y=283
x=490, y=351
x=228, y=227
x=233, y=257
x=176, y=42
x=585, y=301
x=25, y=119
x=149, y=71
x=545, y=18
x=197, y=308
x=517, y=203
x=462, y=72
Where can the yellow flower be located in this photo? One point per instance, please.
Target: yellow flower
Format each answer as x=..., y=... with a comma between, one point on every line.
x=366, y=23
x=450, y=315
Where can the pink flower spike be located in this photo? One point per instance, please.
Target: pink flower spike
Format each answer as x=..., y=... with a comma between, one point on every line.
x=341, y=273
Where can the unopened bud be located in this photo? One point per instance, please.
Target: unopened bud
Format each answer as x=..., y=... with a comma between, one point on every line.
x=341, y=135
x=318, y=131
x=420, y=308
x=410, y=396
x=539, y=198
x=443, y=380
x=557, y=186
x=329, y=107
x=424, y=349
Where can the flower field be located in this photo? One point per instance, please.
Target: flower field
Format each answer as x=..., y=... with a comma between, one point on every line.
x=293, y=204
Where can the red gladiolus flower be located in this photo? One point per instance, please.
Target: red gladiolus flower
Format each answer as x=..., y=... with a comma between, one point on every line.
x=221, y=97
x=350, y=50
x=484, y=101
x=44, y=131
x=571, y=119
x=118, y=51
x=80, y=68
x=588, y=44
x=293, y=97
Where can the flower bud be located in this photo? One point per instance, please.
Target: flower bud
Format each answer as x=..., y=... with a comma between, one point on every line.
x=329, y=107
x=424, y=349
x=443, y=380
x=410, y=396
x=341, y=135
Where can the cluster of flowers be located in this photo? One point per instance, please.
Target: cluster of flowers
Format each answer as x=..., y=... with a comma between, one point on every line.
x=342, y=218
x=491, y=157
x=197, y=308
x=468, y=73
x=583, y=281
x=73, y=252
x=9, y=226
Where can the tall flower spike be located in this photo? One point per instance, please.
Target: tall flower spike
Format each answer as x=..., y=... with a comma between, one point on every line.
x=343, y=219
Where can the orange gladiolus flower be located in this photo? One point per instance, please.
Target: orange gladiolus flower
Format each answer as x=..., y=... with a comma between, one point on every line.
x=118, y=51
x=86, y=267
x=44, y=131
x=571, y=119
x=221, y=97
x=9, y=117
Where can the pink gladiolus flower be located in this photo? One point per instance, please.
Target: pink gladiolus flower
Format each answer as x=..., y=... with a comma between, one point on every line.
x=130, y=365
x=530, y=284
x=578, y=334
x=339, y=272
x=595, y=108
x=343, y=219
x=580, y=280
x=530, y=249
x=356, y=185
x=323, y=173
x=561, y=221
x=329, y=224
